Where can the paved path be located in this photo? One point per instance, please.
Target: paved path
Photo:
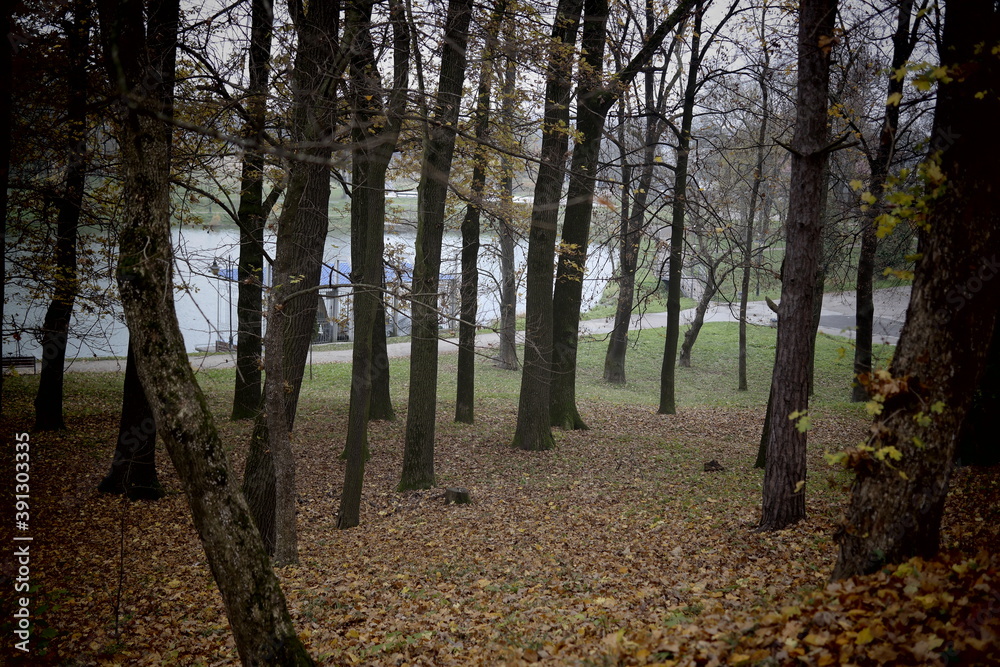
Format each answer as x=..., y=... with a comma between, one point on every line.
x=837, y=318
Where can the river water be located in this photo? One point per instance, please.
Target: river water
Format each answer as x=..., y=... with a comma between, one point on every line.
x=205, y=300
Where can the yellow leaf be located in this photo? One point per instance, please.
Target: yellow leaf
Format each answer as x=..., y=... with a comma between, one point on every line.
x=864, y=637
x=815, y=640
x=856, y=185
x=893, y=100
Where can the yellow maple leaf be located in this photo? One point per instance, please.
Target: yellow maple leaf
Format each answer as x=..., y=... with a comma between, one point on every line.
x=864, y=637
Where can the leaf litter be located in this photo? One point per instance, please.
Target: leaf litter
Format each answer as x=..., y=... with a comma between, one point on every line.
x=615, y=548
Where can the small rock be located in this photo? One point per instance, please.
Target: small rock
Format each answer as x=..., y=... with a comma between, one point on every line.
x=713, y=466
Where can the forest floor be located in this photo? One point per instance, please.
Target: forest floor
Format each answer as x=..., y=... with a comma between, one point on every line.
x=615, y=548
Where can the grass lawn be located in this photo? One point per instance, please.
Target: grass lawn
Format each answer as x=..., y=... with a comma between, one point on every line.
x=614, y=548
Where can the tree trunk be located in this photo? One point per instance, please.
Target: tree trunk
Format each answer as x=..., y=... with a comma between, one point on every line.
x=819, y=287
x=507, y=357
x=628, y=254
x=691, y=335
x=55, y=327
x=785, y=469
x=977, y=444
x=633, y=216
x=141, y=60
x=668, y=403
x=439, y=148
x=249, y=302
x=381, y=400
x=758, y=180
x=258, y=480
x=133, y=469
x=902, y=44
x=896, y=504
x=594, y=102
x=279, y=442
x=533, y=430
x=761, y=460
x=465, y=389
x=301, y=234
x=304, y=220
x=827, y=252
x=567, y=298
x=375, y=132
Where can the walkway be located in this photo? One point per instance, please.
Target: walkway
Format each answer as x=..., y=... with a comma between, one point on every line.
x=837, y=318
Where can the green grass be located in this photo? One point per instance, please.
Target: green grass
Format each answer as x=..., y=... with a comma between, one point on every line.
x=711, y=381
x=712, y=378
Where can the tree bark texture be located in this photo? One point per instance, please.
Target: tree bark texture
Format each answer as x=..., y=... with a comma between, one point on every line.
x=691, y=335
x=758, y=180
x=533, y=430
x=827, y=252
x=304, y=219
x=628, y=259
x=133, y=469
x=375, y=132
x=439, y=148
x=567, y=298
x=465, y=384
x=507, y=356
x=301, y=233
x=896, y=505
x=280, y=446
x=140, y=61
x=55, y=326
x=902, y=47
x=977, y=444
x=595, y=100
x=668, y=400
x=249, y=301
x=785, y=468
x=380, y=408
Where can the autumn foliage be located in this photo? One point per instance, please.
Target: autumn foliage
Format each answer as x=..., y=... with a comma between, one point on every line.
x=615, y=548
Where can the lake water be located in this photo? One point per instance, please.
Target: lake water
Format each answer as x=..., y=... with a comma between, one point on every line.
x=206, y=303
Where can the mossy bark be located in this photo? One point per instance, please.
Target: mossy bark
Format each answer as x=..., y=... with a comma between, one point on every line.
x=140, y=54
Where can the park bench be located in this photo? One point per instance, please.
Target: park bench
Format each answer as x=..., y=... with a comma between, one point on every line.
x=13, y=362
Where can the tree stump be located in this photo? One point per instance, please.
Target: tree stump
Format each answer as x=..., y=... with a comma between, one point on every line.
x=458, y=496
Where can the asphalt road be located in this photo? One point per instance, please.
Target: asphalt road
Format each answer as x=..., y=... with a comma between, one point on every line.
x=836, y=318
